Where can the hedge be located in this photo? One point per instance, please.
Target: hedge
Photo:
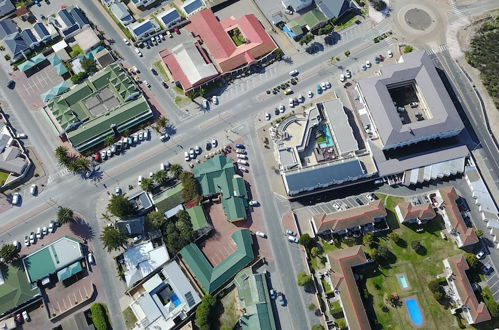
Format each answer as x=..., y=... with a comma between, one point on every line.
x=99, y=316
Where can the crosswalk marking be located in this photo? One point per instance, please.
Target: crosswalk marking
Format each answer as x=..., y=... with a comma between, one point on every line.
x=456, y=10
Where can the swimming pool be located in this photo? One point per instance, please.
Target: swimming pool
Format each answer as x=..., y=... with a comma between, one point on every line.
x=414, y=310
x=403, y=281
x=329, y=138
x=174, y=299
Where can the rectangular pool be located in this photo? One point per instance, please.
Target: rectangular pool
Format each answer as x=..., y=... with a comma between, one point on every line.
x=414, y=311
x=175, y=300
x=403, y=281
x=329, y=138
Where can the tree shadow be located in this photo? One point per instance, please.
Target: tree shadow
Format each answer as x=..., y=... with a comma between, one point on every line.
x=82, y=229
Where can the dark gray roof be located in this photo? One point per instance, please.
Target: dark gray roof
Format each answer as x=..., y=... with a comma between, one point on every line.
x=141, y=201
x=15, y=43
x=79, y=17
x=333, y=8
x=416, y=67
x=66, y=17
x=73, y=28
x=41, y=30
x=28, y=37
x=342, y=131
x=7, y=27
x=131, y=227
x=6, y=7
x=317, y=177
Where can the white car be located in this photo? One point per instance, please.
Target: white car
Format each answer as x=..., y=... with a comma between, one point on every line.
x=214, y=99
x=205, y=104
x=242, y=161
x=323, y=86
x=282, y=108
x=187, y=157
x=39, y=233
x=117, y=191
x=151, y=175
x=259, y=233
x=192, y=153
x=90, y=257
x=368, y=64
x=291, y=103
x=147, y=84
x=26, y=241
x=310, y=94
x=15, y=198
x=292, y=239
x=45, y=231
x=480, y=255
x=138, y=52
x=242, y=168
x=328, y=84
x=363, y=67
x=342, y=77
x=390, y=54
x=32, y=238
x=141, y=136
x=164, y=137
x=52, y=226
x=26, y=316
x=241, y=151
x=293, y=72
x=348, y=74
x=267, y=116
x=253, y=203
x=33, y=189
x=290, y=232
x=125, y=40
x=139, y=179
x=103, y=154
x=169, y=34
x=16, y=244
x=239, y=156
x=197, y=149
x=214, y=143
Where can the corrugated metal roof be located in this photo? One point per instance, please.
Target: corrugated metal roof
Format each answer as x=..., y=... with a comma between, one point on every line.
x=340, y=125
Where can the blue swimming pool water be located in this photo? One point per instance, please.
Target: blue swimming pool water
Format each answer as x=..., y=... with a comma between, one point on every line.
x=414, y=311
x=175, y=300
x=329, y=139
x=403, y=282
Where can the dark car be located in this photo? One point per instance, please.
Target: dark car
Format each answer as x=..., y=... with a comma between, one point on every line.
x=282, y=299
x=165, y=85
x=241, y=146
x=487, y=269
x=11, y=84
x=154, y=72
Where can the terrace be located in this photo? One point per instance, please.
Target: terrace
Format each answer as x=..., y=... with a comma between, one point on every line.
x=236, y=36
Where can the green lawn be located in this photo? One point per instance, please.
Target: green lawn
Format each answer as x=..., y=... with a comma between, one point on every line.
x=161, y=69
x=182, y=101
x=346, y=23
x=129, y=317
x=3, y=177
x=229, y=316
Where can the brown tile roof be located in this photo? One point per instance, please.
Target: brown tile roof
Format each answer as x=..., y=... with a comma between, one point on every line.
x=421, y=211
x=466, y=234
x=478, y=311
x=349, y=218
x=343, y=280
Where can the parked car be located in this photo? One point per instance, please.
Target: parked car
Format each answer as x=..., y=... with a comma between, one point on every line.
x=16, y=244
x=259, y=233
x=318, y=89
x=290, y=232
x=21, y=136
x=253, y=203
x=273, y=294
x=117, y=191
x=44, y=231
x=164, y=137
x=205, y=104
x=242, y=161
x=103, y=154
x=348, y=74
x=192, y=153
x=390, y=54
x=26, y=241
x=186, y=156
x=342, y=77
x=214, y=143
x=242, y=168
x=282, y=300
x=240, y=146
x=176, y=29
x=39, y=233
x=323, y=85
x=487, y=269
x=301, y=99
x=293, y=72
x=126, y=41
x=214, y=99
x=139, y=179
x=291, y=102
x=292, y=239
x=90, y=258
x=141, y=136
x=241, y=151
x=11, y=84
x=287, y=91
x=32, y=238
x=310, y=94
x=480, y=254
x=241, y=156
x=368, y=64
x=33, y=189
x=138, y=52
x=52, y=226
x=19, y=319
x=16, y=198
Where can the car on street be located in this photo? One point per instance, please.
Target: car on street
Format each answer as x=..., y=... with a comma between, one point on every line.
x=11, y=84
x=348, y=74
x=117, y=191
x=292, y=239
x=389, y=53
x=151, y=175
x=33, y=189
x=487, y=269
x=253, y=203
x=39, y=233
x=342, y=77
x=243, y=169
x=90, y=258
x=164, y=137
x=241, y=146
x=197, y=149
x=214, y=99
x=290, y=232
x=109, y=152
x=241, y=156
x=480, y=254
x=26, y=241
x=205, y=104
x=282, y=300
x=139, y=179
x=242, y=161
x=21, y=136
x=368, y=64
x=52, y=226
x=291, y=103
x=282, y=108
x=214, y=143
x=287, y=91
x=241, y=151
x=169, y=34
x=323, y=85
x=259, y=233
x=32, y=238
x=301, y=99
x=103, y=154
x=165, y=85
x=141, y=136
x=16, y=198
x=328, y=85
x=126, y=41
x=363, y=67
x=147, y=84
x=267, y=116
x=16, y=244
x=192, y=153
x=45, y=231
x=138, y=52
x=154, y=72
x=318, y=89
x=293, y=72
x=186, y=156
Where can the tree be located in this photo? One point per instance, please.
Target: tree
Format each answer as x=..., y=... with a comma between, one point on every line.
x=78, y=164
x=383, y=252
x=478, y=232
x=77, y=78
x=109, y=140
x=155, y=219
x=438, y=295
x=395, y=238
x=472, y=260
x=88, y=64
x=161, y=123
x=184, y=226
x=121, y=207
x=176, y=170
x=307, y=241
x=342, y=324
x=8, y=252
x=416, y=246
x=61, y=153
x=205, y=311
x=434, y=285
x=161, y=177
x=314, y=252
x=191, y=188
x=99, y=316
x=368, y=240
x=304, y=280
x=379, y=5
x=317, y=326
x=64, y=215
x=147, y=184
x=312, y=307
x=113, y=238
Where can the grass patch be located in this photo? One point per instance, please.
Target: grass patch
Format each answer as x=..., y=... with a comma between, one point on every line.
x=3, y=177
x=129, y=317
x=229, y=316
x=178, y=90
x=76, y=51
x=161, y=69
x=346, y=23
x=321, y=139
x=327, y=288
x=182, y=101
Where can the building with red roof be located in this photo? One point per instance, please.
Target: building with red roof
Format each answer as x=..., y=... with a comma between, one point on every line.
x=232, y=43
x=464, y=297
x=407, y=212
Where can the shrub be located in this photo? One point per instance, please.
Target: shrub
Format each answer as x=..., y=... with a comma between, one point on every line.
x=438, y=295
x=416, y=246
x=304, y=279
x=434, y=286
x=99, y=317
x=318, y=326
x=7, y=57
x=347, y=53
x=408, y=49
x=306, y=241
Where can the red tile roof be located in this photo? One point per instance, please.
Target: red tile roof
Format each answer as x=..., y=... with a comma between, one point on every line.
x=467, y=235
x=352, y=217
x=221, y=47
x=478, y=311
x=421, y=211
x=343, y=280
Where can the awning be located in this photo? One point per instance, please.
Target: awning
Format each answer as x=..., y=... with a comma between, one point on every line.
x=35, y=60
x=69, y=271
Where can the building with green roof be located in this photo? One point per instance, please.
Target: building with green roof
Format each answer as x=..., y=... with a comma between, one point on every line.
x=198, y=217
x=254, y=299
x=50, y=259
x=310, y=21
x=212, y=278
x=107, y=103
x=217, y=176
x=15, y=288
x=168, y=199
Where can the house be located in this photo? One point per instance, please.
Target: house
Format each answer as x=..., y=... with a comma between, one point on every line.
x=141, y=201
x=131, y=227
x=463, y=295
x=343, y=280
x=104, y=58
x=191, y=7
x=142, y=3
x=141, y=30
x=360, y=219
x=165, y=299
x=15, y=288
x=217, y=177
x=169, y=17
x=463, y=235
x=42, y=32
x=61, y=258
x=334, y=8
x=29, y=38
x=121, y=12
x=232, y=43
x=6, y=7
x=69, y=21
x=254, y=300
x=310, y=21
x=87, y=39
x=212, y=278
x=16, y=46
x=168, y=199
x=421, y=213
x=79, y=17
x=188, y=65
x=143, y=259
x=7, y=28
x=12, y=160
x=296, y=5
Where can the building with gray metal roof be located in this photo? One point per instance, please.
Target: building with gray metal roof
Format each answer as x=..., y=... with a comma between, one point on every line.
x=437, y=117
x=341, y=129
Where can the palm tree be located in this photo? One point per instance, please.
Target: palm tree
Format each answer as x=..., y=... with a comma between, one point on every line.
x=146, y=184
x=61, y=153
x=109, y=140
x=64, y=215
x=113, y=238
x=161, y=123
x=176, y=170
x=161, y=176
x=8, y=252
